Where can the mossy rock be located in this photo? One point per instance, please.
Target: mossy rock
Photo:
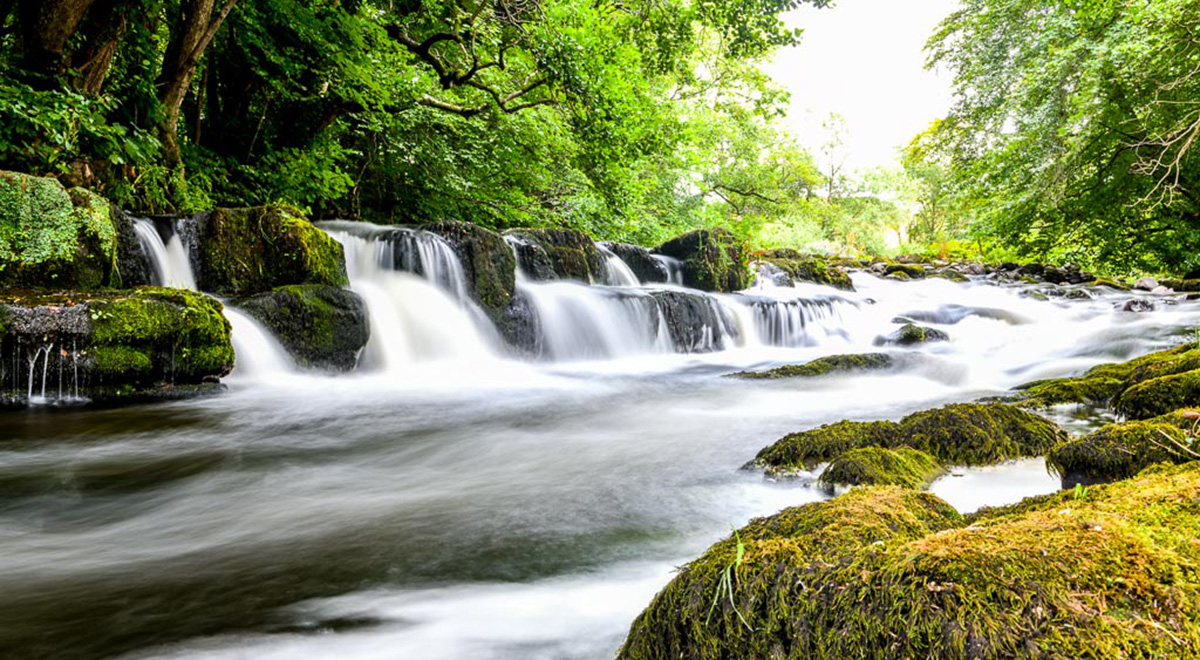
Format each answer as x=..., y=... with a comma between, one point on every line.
x=1120, y=451
x=1110, y=283
x=808, y=268
x=910, y=271
x=568, y=253
x=1102, y=384
x=115, y=345
x=911, y=334
x=322, y=327
x=1111, y=574
x=1182, y=286
x=957, y=434
x=54, y=238
x=1159, y=396
x=252, y=250
x=712, y=260
x=874, y=466
x=951, y=275
x=831, y=364
x=490, y=268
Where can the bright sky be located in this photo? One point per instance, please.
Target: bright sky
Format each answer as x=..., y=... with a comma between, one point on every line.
x=864, y=60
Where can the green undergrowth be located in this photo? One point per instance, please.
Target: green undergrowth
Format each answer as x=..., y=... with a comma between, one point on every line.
x=889, y=573
x=873, y=466
x=958, y=434
x=823, y=366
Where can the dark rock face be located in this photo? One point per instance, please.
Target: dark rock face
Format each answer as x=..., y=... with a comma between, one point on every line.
x=713, y=260
x=696, y=323
x=133, y=265
x=648, y=269
x=910, y=335
x=246, y=251
x=323, y=327
x=490, y=269
x=569, y=254
x=147, y=343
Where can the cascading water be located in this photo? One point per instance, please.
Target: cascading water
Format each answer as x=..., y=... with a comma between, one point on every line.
x=617, y=272
x=579, y=322
x=416, y=294
x=673, y=266
x=169, y=261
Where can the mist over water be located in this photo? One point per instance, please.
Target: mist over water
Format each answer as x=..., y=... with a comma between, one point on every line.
x=449, y=500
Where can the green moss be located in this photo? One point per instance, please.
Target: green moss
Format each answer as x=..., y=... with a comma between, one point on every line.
x=911, y=334
x=1110, y=575
x=909, y=270
x=1103, y=384
x=808, y=268
x=251, y=250
x=1101, y=281
x=951, y=275
x=713, y=260
x=824, y=366
x=322, y=327
x=1120, y=451
x=958, y=434
x=873, y=466
x=1045, y=393
x=1158, y=396
x=572, y=253
x=120, y=361
x=1183, y=286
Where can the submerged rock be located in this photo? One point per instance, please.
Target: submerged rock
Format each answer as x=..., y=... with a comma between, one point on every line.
x=958, y=434
x=911, y=334
x=50, y=236
x=713, y=260
x=885, y=573
x=111, y=346
x=567, y=254
x=874, y=466
x=322, y=327
x=252, y=250
x=807, y=268
x=832, y=364
x=1120, y=451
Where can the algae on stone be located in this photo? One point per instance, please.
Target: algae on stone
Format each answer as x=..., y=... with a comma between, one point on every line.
x=874, y=466
x=824, y=366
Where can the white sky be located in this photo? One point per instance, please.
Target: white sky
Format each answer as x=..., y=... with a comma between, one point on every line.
x=864, y=59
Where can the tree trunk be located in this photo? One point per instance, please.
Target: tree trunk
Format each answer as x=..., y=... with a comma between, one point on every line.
x=188, y=42
x=46, y=26
x=106, y=24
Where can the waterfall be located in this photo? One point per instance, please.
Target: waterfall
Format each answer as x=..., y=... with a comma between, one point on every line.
x=579, y=322
x=617, y=272
x=674, y=268
x=416, y=293
x=794, y=323
x=258, y=355
x=169, y=261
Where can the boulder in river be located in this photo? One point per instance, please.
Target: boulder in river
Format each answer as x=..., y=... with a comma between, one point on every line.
x=1120, y=451
x=830, y=364
x=713, y=260
x=875, y=466
x=490, y=268
x=807, y=268
x=322, y=327
x=1145, y=284
x=127, y=345
x=252, y=250
x=910, y=335
x=643, y=264
x=1104, y=383
x=1159, y=396
x=569, y=254
x=885, y=573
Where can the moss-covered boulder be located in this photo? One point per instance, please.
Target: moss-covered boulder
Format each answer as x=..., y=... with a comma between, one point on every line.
x=566, y=254
x=910, y=271
x=1108, y=575
x=1183, y=286
x=54, y=238
x=831, y=364
x=911, y=334
x=958, y=434
x=1158, y=396
x=491, y=271
x=322, y=327
x=643, y=264
x=807, y=268
x=713, y=260
x=1120, y=451
x=251, y=250
x=1102, y=384
x=874, y=466
x=112, y=345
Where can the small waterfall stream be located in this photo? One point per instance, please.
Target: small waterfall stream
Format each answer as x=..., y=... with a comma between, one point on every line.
x=168, y=260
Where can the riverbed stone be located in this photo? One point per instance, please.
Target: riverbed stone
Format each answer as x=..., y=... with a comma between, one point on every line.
x=875, y=466
x=911, y=334
x=823, y=366
x=322, y=327
x=712, y=259
x=491, y=270
x=643, y=264
x=801, y=267
x=558, y=253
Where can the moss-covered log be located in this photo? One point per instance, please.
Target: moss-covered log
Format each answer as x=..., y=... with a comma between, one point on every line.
x=713, y=260
x=958, y=434
x=873, y=466
x=886, y=573
x=831, y=364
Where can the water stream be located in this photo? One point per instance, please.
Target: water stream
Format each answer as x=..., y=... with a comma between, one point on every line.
x=451, y=501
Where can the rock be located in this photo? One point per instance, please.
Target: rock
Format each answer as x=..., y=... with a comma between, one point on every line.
x=1137, y=305
x=883, y=572
x=123, y=346
x=568, y=253
x=910, y=271
x=1145, y=284
x=807, y=268
x=1104, y=383
x=713, y=260
x=322, y=327
x=912, y=334
x=1183, y=286
x=959, y=434
x=1160, y=290
x=65, y=239
x=647, y=269
x=696, y=322
x=490, y=269
x=1159, y=396
x=1110, y=283
x=832, y=364
x=1076, y=294
x=975, y=269
x=1120, y=451
x=252, y=250
x=873, y=466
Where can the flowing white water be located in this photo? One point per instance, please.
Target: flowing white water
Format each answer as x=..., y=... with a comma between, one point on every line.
x=169, y=260
x=673, y=266
x=257, y=354
x=618, y=272
x=529, y=515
